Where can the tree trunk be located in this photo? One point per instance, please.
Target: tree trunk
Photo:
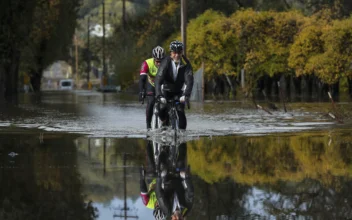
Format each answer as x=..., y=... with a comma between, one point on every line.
x=36, y=80
x=335, y=90
x=11, y=79
x=350, y=87
x=2, y=83
x=306, y=88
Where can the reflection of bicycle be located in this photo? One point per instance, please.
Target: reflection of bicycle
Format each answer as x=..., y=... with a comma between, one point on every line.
x=174, y=188
x=166, y=159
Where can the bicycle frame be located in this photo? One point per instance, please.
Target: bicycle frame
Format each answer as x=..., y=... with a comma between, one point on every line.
x=173, y=115
x=170, y=160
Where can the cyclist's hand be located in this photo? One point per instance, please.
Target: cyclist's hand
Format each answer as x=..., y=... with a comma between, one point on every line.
x=162, y=100
x=183, y=99
x=141, y=96
x=142, y=173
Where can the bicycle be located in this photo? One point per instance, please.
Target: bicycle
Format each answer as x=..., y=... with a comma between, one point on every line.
x=173, y=116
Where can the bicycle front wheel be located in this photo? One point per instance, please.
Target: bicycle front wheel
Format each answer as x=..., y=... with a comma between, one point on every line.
x=156, y=122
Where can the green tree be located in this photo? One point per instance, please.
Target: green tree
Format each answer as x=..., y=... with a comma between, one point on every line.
x=50, y=37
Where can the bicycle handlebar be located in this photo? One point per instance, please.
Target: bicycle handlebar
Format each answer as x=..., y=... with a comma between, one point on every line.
x=177, y=100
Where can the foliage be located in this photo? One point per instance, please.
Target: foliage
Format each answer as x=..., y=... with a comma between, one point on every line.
x=133, y=45
x=261, y=160
x=51, y=34
x=261, y=42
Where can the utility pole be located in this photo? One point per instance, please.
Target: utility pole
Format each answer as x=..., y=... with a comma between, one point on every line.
x=123, y=15
x=104, y=157
x=76, y=55
x=184, y=24
x=88, y=50
x=104, y=65
x=125, y=208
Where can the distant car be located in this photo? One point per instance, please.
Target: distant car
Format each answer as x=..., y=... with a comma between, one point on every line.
x=66, y=84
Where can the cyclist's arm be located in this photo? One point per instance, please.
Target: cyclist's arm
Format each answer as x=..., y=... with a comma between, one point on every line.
x=163, y=200
x=188, y=80
x=189, y=195
x=143, y=76
x=144, y=192
x=159, y=79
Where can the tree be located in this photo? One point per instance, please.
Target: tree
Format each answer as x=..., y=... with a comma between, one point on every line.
x=34, y=34
x=211, y=40
x=50, y=37
x=13, y=35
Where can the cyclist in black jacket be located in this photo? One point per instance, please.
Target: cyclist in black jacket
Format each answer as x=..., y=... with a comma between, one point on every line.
x=175, y=194
x=176, y=76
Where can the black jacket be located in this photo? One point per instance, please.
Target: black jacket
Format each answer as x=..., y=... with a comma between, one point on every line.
x=182, y=187
x=165, y=76
x=185, y=196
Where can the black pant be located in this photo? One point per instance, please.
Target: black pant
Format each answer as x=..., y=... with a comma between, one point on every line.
x=149, y=110
x=163, y=114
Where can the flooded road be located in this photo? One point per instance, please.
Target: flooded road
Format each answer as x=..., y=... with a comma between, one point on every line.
x=113, y=115
x=78, y=156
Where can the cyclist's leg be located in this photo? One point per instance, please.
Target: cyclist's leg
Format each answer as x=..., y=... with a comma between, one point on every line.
x=151, y=169
x=150, y=104
x=182, y=123
x=163, y=114
x=163, y=198
x=182, y=157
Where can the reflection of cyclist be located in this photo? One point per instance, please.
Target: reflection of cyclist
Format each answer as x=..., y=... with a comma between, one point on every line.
x=174, y=74
x=148, y=193
x=148, y=70
x=174, y=192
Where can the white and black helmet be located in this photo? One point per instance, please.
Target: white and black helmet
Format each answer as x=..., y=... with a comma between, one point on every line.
x=158, y=53
x=158, y=214
x=176, y=46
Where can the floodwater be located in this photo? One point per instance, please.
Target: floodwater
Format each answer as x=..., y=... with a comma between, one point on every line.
x=77, y=156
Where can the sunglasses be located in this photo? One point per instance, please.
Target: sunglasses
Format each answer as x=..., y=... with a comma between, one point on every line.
x=157, y=61
x=178, y=52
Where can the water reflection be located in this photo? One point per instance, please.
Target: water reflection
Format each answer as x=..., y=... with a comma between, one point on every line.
x=110, y=171
x=41, y=180
x=170, y=191
x=62, y=176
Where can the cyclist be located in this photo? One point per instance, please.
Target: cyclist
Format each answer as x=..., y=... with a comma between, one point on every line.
x=148, y=175
x=176, y=76
x=148, y=71
x=175, y=194
x=148, y=194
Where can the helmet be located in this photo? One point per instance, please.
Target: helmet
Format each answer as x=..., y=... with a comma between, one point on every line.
x=158, y=214
x=176, y=46
x=158, y=53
